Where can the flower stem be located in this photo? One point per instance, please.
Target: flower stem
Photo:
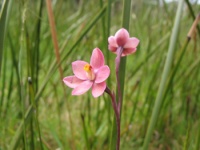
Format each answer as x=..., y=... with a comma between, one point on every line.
x=117, y=63
x=117, y=115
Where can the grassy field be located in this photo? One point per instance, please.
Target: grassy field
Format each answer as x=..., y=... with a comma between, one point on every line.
x=162, y=79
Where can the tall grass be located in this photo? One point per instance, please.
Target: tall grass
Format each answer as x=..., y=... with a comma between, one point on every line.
x=3, y=25
x=37, y=112
x=165, y=74
x=122, y=70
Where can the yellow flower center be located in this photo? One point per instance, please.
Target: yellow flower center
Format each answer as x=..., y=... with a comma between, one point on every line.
x=89, y=72
x=87, y=68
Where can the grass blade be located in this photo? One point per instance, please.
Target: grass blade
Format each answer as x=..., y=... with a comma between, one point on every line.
x=3, y=17
x=165, y=74
x=125, y=24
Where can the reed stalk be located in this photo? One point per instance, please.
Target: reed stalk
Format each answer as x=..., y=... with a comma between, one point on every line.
x=122, y=70
x=3, y=18
x=167, y=68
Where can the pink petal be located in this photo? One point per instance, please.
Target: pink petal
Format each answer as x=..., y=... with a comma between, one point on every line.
x=122, y=37
x=82, y=88
x=102, y=74
x=112, y=41
x=72, y=81
x=98, y=89
x=132, y=43
x=128, y=51
x=97, y=59
x=112, y=44
x=112, y=49
x=77, y=67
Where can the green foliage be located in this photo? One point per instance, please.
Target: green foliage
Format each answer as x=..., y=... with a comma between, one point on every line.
x=35, y=111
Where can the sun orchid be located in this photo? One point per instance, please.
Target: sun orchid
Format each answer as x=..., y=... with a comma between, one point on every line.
x=123, y=40
x=88, y=76
x=93, y=75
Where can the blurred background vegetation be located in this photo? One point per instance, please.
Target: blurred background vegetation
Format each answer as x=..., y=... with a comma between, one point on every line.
x=38, y=112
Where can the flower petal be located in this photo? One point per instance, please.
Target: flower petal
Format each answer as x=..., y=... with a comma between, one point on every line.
x=77, y=67
x=112, y=49
x=112, y=41
x=128, y=51
x=82, y=88
x=102, y=74
x=72, y=81
x=98, y=89
x=97, y=59
x=122, y=36
x=132, y=43
x=112, y=44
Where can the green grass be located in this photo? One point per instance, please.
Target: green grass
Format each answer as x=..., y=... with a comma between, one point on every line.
x=41, y=114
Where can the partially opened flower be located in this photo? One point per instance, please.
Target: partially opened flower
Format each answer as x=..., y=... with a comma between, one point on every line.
x=88, y=76
x=123, y=40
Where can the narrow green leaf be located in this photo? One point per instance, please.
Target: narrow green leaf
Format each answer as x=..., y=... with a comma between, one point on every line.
x=125, y=24
x=197, y=147
x=167, y=67
x=186, y=142
x=85, y=132
x=3, y=17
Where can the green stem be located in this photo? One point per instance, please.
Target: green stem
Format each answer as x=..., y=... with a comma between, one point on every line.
x=3, y=24
x=21, y=64
x=198, y=140
x=32, y=96
x=85, y=132
x=117, y=115
x=122, y=70
x=117, y=63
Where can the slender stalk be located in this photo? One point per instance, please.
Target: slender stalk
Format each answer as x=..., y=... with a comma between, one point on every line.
x=117, y=115
x=32, y=97
x=159, y=98
x=6, y=13
x=29, y=74
x=117, y=62
x=186, y=142
x=37, y=48
x=53, y=33
x=108, y=20
x=3, y=84
x=108, y=30
x=3, y=17
x=21, y=73
x=85, y=132
x=103, y=27
x=122, y=70
x=193, y=27
x=9, y=95
x=192, y=13
x=197, y=146
x=125, y=24
x=56, y=48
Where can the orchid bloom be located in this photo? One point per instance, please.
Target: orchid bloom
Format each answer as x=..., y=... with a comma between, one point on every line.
x=88, y=76
x=123, y=40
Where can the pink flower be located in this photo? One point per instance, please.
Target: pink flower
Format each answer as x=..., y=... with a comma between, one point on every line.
x=88, y=76
x=122, y=39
